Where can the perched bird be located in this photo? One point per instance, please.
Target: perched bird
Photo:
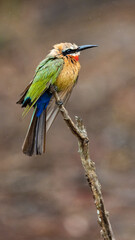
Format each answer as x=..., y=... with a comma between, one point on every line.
x=59, y=69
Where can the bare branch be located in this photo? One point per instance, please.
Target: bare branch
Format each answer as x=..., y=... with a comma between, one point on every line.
x=89, y=166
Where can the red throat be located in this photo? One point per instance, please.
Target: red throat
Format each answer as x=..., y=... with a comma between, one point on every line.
x=76, y=57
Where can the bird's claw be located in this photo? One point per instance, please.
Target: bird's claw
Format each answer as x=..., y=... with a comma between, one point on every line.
x=53, y=88
x=59, y=103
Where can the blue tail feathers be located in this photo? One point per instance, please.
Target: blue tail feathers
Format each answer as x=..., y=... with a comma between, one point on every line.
x=43, y=102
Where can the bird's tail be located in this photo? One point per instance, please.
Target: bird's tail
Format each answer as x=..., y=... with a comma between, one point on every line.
x=34, y=142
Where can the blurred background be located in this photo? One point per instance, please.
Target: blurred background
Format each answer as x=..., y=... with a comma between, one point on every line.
x=47, y=197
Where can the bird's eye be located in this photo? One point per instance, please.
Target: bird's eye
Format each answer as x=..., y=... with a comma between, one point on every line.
x=68, y=51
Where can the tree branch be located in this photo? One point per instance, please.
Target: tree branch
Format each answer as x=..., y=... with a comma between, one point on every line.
x=79, y=131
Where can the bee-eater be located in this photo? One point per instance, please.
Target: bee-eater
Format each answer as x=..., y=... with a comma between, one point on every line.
x=60, y=68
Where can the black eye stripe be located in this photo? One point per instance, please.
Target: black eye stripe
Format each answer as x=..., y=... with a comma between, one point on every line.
x=68, y=51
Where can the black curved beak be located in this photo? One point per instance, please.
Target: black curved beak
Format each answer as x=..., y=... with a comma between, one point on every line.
x=80, y=48
x=83, y=47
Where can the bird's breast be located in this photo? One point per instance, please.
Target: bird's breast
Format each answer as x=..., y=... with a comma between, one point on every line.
x=68, y=74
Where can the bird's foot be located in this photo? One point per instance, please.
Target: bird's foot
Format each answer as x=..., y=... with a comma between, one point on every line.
x=53, y=88
x=59, y=103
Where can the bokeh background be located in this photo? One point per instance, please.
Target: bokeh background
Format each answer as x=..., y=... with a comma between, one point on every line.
x=47, y=197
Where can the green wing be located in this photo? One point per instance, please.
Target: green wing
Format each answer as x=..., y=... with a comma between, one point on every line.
x=46, y=74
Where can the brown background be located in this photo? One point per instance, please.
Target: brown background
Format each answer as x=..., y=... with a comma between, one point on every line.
x=47, y=197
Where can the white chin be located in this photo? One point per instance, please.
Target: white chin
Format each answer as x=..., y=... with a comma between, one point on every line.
x=75, y=54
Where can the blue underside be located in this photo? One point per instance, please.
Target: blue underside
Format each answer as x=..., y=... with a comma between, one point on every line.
x=43, y=102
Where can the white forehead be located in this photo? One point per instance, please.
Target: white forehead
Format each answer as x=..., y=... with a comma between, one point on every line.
x=58, y=48
x=71, y=46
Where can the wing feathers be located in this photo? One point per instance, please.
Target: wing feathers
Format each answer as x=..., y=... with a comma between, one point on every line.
x=39, y=146
x=28, y=145
x=34, y=142
x=20, y=101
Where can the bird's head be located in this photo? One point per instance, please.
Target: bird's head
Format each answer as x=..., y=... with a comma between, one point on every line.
x=65, y=49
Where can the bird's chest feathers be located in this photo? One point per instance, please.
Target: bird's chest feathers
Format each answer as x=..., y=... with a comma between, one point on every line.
x=69, y=74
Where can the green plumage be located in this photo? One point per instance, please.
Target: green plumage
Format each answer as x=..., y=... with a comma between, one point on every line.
x=46, y=74
x=60, y=68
